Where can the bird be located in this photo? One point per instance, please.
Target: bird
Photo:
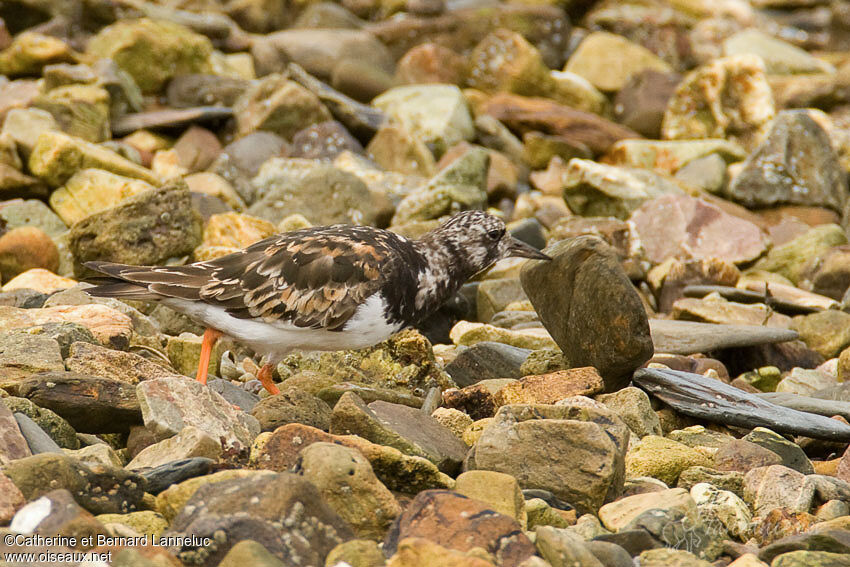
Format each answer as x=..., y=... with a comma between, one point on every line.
x=326, y=288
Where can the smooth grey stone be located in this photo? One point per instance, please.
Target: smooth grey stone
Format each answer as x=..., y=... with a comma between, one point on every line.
x=37, y=439
x=234, y=394
x=689, y=337
x=486, y=360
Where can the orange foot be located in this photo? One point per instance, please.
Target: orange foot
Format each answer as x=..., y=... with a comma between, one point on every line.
x=210, y=338
x=265, y=378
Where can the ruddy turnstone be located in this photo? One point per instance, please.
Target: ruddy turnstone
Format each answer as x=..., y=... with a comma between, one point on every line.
x=324, y=288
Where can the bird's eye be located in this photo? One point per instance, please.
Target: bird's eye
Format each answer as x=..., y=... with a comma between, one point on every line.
x=496, y=234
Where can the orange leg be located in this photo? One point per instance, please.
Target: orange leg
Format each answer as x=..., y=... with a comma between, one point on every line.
x=210, y=337
x=265, y=378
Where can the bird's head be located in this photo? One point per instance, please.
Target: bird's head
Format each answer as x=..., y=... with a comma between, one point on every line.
x=484, y=239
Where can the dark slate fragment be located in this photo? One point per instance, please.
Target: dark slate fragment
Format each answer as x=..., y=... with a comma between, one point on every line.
x=37, y=439
x=706, y=398
x=486, y=360
x=161, y=477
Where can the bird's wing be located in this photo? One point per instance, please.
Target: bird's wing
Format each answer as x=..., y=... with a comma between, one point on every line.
x=312, y=278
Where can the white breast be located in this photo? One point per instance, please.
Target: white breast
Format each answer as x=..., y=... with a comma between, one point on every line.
x=368, y=326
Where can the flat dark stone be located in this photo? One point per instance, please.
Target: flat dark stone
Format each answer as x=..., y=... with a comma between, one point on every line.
x=486, y=360
x=163, y=476
x=171, y=118
x=747, y=296
x=809, y=404
x=361, y=119
x=689, y=337
x=331, y=394
x=88, y=403
x=37, y=439
x=833, y=541
x=713, y=400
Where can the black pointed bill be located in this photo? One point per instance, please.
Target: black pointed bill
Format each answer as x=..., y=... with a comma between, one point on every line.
x=523, y=250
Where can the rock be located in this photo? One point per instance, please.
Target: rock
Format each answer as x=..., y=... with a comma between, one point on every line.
x=460, y=523
x=292, y=406
x=97, y=454
x=278, y=451
x=249, y=552
x=825, y=333
x=777, y=486
x=252, y=508
x=123, y=233
x=161, y=477
x=404, y=363
x=454, y=420
x=791, y=454
x=89, y=404
x=582, y=129
x=486, y=360
x=32, y=212
x=460, y=186
x=670, y=558
x=349, y=486
x=144, y=522
x=106, y=325
x=57, y=156
x=93, y=190
x=24, y=125
x=663, y=459
x=500, y=491
x=26, y=248
x=671, y=156
x=325, y=140
x=551, y=388
x=561, y=548
x=79, y=110
x=731, y=481
x=170, y=404
x=31, y=51
x=735, y=92
x=13, y=445
x=795, y=165
x=431, y=63
x=780, y=58
x=615, y=344
x=722, y=507
x=594, y=189
x=505, y=61
x=742, y=456
x=696, y=229
x=11, y=500
x=401, y=427
x=632, y=405
x=57, y=428
x=435, y=114
x=478, y=400
x=642, y=102
x=792, y=259
x=539, y=446
x=54, y=514
x=37, y=440
x=22, y=355
x=617, y=515
x=187, y=443
x=393, y=148
x=813, y=558
x=715, y=309
x=275, y=104
x=133, y=44
x=357, y=553
x=608, y=60
x=99, y=489
x=94, y=360
x=344, y=198
x=414, y=551
x=465, y=333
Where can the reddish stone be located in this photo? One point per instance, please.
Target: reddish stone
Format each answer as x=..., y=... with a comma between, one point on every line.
x=743, y=456
x=527, y=114
x=457, y=522
x=431, y=63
